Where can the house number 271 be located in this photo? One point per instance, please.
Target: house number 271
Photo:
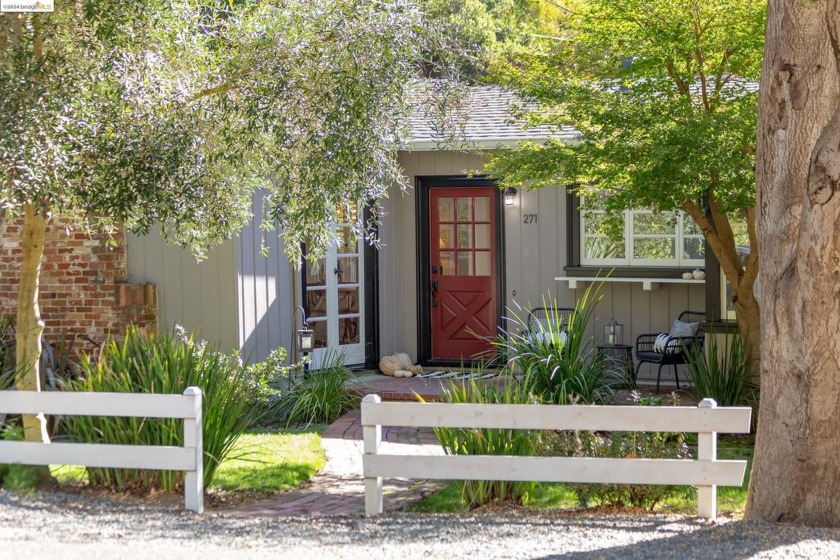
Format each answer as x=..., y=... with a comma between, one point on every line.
x=529, y=218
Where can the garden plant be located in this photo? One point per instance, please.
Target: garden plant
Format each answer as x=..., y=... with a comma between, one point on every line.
x=164, y=363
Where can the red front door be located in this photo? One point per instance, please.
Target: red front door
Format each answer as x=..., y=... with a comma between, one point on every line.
x=462, y=250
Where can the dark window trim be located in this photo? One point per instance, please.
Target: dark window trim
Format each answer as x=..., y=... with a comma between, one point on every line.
x=424, y=314
x=371, y=300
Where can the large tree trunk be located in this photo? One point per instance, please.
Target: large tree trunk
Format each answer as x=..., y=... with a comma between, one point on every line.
x=29, y=325
x=796, y=474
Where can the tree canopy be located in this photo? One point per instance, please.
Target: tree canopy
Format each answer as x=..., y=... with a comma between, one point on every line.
x=173, y=113
x=145, y=112
x=664, y=97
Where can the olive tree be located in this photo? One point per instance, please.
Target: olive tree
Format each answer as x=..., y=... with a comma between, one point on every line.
x=134, y=113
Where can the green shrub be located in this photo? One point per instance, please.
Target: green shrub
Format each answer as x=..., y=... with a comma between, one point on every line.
x=724, y=374
x=267, y=381
x=147, y=363
x=320, y=396
x=480, y=441
x=636, y=445
x=558, y=371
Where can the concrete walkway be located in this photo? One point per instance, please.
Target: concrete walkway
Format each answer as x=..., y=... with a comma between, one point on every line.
x=339, y=488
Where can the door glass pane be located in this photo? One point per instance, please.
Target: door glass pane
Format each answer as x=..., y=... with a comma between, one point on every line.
x=319, y=329
x=446, y=212
x=446, y=233
x=465, y=263
x=316, y=303
x=316, y=273
x=482, y=263
x=482, y=236
x=348, y=330
x=348, y=270
x=346, y=240
x=482, y=209
x=465, y=209
x=653, y=248
x=348, y=300
x=465, y=236
x=447, y=263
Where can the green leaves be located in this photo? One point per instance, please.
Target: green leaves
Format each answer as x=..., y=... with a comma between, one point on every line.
x=660, y=93
x=175, y=113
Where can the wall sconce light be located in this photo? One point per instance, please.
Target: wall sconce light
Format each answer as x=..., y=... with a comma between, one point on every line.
x=510, y=196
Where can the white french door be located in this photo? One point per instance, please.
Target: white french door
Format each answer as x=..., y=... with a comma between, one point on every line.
x=335, y=300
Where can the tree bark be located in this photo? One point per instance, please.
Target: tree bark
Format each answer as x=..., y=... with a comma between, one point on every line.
x=721, y=241
x=796, y=474
x=29, y=325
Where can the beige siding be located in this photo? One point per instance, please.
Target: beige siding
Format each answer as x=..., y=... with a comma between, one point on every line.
x=264, y=291
x=238, y=298
x=535, y=253
x=201, y=297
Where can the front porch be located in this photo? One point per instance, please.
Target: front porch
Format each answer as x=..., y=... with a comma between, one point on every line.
x=368, y=381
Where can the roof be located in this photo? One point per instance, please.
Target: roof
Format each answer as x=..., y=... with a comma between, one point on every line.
x=486, y=120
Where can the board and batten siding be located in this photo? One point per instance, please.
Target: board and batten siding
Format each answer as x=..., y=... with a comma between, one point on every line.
x=199, y=296
x=535, y=253
x=238, y=298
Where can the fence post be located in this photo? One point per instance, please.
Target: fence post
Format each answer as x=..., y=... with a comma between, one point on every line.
x=372, y=435
x=707, y=451
x=194, y=439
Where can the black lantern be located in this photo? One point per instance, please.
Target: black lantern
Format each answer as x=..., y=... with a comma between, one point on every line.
x=305, y=339
x=613, y=333
x=510, y=196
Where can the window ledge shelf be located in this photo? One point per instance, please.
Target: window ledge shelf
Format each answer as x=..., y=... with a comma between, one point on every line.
x=648, y=284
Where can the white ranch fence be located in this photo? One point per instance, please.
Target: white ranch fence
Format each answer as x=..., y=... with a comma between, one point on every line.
x=706, y=472
x=189, y=458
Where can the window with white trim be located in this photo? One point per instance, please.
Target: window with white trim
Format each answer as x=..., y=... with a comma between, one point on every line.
x=650, y=239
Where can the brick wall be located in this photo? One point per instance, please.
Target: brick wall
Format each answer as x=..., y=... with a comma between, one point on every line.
x=83, y=287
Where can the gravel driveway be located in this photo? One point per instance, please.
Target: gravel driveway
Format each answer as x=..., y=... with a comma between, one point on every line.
x=68, y=527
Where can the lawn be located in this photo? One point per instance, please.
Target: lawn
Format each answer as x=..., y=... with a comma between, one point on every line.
x=555, y=496
x=260, y=465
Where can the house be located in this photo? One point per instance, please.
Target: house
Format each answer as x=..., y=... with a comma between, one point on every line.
x=453, y=258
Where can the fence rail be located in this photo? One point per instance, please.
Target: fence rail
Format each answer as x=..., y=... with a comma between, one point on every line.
x=189, y=458
x=706, y=420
